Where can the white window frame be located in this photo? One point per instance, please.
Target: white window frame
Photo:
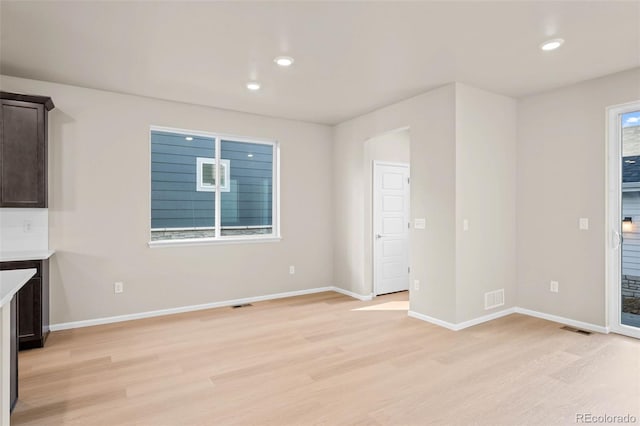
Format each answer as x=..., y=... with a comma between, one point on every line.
x=225, y=239
x=226, y=167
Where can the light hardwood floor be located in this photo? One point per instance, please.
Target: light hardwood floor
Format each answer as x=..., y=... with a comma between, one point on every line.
x=315, y=360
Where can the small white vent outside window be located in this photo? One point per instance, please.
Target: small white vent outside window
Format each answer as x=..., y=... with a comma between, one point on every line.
x=206, y=174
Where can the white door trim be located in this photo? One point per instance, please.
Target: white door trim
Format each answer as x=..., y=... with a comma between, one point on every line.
x=613, y=232
x=374, y=249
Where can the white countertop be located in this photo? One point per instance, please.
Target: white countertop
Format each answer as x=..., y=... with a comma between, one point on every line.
x=12, y=281
x=12, y=256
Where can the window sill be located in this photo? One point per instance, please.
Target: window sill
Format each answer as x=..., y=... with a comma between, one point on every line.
x=212, y=242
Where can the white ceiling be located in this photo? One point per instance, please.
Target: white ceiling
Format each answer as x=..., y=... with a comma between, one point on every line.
x=351, y=58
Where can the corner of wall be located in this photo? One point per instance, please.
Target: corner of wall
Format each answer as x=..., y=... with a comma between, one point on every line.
x=485, y=203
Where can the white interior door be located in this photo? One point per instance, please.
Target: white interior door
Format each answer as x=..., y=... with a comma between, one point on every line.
x=390, y=227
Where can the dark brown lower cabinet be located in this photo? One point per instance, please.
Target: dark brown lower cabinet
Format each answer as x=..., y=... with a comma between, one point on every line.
x=32, y=304
x=13, y=383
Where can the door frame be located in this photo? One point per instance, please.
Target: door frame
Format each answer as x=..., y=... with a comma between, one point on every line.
x=613, y=225
x=374, y=217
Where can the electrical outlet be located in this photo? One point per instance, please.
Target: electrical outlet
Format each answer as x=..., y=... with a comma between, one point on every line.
x=465, y=225
x=554, y=286
x=416, y=284
x=26, y=226
x=292, y=269
x=118, y=287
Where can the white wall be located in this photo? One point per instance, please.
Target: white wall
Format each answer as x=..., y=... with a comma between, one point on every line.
x=99, y=208
x=486, y=198
x=462, y=157
x=394, y=146
x=24, y=230
x=430, y=118
x=561, y=177
x=461, y=164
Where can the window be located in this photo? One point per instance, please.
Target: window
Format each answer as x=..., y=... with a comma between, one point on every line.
x=199, y=196
x=206, y=174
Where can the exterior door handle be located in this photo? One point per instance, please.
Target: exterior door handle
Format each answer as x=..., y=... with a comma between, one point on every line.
x=619, y=239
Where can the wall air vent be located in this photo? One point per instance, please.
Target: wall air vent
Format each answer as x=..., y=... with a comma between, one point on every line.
x=493, y=299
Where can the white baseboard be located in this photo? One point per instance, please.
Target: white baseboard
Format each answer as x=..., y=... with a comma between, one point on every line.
x=352, y=294
x=182, y=309
x=485, y=318
x=413, y=314
x=432, y=320
x=517, y=310
x=465, y=324
x=563, y=320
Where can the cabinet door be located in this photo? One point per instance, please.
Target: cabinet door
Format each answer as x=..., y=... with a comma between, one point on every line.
x=33, y=304
x=29, y=312
x=22, y=154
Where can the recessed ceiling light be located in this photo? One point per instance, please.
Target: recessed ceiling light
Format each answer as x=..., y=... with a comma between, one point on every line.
x=250, y=155
x=189, y=138
x=253, y=85
x=284, y=61
x=551, y=44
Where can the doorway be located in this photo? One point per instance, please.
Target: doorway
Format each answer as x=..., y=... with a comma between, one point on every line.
x=623, y=260
x=391, y=223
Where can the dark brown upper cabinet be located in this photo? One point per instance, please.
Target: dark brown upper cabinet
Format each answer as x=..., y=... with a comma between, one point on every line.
x=23, y=150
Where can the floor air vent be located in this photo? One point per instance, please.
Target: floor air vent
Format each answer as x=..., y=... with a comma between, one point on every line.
x=576, y=330
x=244, y=305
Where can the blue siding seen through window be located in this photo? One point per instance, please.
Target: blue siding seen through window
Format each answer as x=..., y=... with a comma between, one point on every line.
x=175, y=201
x=249, y=202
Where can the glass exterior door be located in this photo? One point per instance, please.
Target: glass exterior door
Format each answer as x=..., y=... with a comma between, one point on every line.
x=629, y=291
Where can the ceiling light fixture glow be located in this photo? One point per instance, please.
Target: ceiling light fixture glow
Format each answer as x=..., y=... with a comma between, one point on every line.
x=189, y=138
x=253, y=85
x=284, y=61
x=551, y=44
x=250, y=155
